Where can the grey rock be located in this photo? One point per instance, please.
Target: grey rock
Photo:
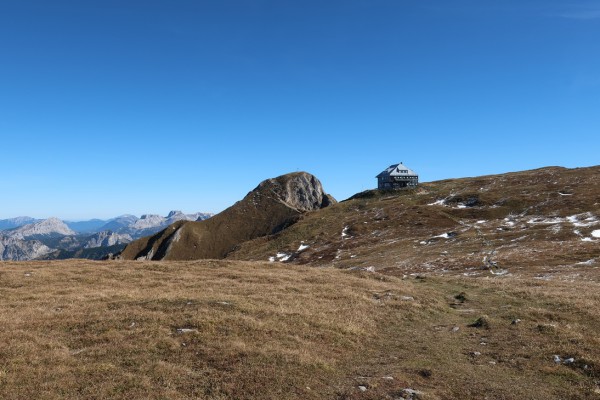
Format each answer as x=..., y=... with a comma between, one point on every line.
x=107, y=238
x=557, y=359
x=46, y=227
x=300, y=191
x=21, y=250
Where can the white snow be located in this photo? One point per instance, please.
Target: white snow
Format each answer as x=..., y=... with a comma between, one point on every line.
x=345, y=232
x=303, y=247
x=583, y=220
x=588, y=262
x=546, y=221
x=519, y=238
x=186, y=330
x=441, y=202
x=596, y=233
x=500, y=272
x=565, y=194
x=461, y=205
x=557, y=359
x=586, y=239
x=271, y=259
x=444, y=236
x=483, y=221
x=283, y=256
x=509, y=222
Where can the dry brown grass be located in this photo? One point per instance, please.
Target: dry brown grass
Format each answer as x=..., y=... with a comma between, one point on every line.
x=398, y=232
x=97, y=330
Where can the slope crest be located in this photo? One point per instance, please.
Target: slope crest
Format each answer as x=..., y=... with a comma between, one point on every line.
x=271, y=207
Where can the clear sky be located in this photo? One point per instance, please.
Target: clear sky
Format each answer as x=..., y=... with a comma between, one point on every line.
x=110, y=107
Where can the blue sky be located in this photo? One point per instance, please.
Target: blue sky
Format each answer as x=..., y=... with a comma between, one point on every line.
x=112, y=107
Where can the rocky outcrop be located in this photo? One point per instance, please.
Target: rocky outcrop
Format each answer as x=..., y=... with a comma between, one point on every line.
x=302, y=192
x=107, y=238
x=46, y=227
x=149, y=224
x=21, y=250
x=271, y=207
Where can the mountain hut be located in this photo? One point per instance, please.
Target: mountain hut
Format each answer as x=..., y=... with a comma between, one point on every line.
x=397, y=176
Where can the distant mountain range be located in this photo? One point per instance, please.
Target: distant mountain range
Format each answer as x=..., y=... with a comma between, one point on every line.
x=16, y=222
x=26, y=238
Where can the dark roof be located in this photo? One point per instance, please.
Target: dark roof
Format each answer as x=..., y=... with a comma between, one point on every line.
x=397, y=170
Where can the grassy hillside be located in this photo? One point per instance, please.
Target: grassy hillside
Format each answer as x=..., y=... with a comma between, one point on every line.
x=272, y=206
x=222, y=329
x=531, y=222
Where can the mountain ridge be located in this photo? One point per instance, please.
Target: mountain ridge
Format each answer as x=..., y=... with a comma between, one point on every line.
x=272, y=206
x=30, y=238
x=501, y=223
x=548, y=205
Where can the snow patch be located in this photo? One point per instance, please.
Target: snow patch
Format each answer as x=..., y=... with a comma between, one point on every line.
x=186, y=330
x=441, y=202
x=345, y=232
x=545, y=221
x=596, y=233
x=303, y=247
x=282, y=256
x=588, y=262
x=583, y=220
x=447, y=235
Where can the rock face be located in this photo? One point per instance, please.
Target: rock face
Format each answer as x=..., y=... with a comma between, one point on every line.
x=21, y=250
x=119, y=223
x=302, y=192
x=107, y=238
x=149, y=224
x=27, y=238
x=47, y=227
x=271, y=207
